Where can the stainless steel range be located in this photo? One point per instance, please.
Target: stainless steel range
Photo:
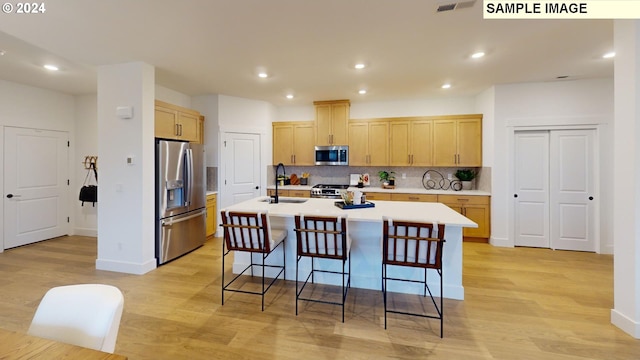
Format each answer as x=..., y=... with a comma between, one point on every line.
x=327, y=191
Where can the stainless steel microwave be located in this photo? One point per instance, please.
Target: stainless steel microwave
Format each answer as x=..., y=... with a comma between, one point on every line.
x=332, y=155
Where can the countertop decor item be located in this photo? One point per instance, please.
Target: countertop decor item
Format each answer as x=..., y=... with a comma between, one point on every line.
x=466, y=176
x=387, y=178
x=343, y=205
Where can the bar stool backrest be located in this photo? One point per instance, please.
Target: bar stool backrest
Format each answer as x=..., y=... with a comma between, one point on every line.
x=322, y=236
x=410, y=243
x=247, y=231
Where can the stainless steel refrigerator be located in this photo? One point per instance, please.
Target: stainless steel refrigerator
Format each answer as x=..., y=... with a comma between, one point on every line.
x=180, y=199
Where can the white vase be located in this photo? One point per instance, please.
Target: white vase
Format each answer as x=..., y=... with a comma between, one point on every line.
x=467, y=185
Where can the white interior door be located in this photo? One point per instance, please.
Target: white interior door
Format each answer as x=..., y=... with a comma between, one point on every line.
x=532, y=189
x=242, y=167
x=572, y=190
x=36, y=185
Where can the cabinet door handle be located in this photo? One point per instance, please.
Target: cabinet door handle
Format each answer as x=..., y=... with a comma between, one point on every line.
x=176, y=131
x=455, y=159
x=294, y=158
x=411, y=159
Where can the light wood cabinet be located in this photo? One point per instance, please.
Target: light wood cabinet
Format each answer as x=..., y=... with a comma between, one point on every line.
x=458, y=141
x=476, y=208
x=212, y=216
x=377, y=196
x=177, y=123
x=414, y=197
x=300, y=193
x=281, y=192
x=368, y=143
x=411, y=142
x=293, y=143
x=332, y=118
x=291, y=192
x=201, y=126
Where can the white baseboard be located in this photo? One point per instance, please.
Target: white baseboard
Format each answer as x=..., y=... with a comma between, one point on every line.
x=501, y=242
x=627, y=325
x=85, y=232
x=126, y=267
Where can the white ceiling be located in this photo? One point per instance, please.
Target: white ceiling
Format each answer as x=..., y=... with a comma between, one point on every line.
x=308, y=47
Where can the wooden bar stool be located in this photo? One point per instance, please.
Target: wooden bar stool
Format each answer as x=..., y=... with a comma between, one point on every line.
x=416, y=245
x=252, y=233
x=323, y=237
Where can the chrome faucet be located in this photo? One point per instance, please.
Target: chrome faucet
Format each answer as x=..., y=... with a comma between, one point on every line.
x=284, y=173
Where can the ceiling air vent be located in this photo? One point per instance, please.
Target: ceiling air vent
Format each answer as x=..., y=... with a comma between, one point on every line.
x=448, y=5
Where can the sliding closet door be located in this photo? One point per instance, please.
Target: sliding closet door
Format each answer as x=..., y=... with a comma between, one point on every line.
x=572, y=190
x=532, y=189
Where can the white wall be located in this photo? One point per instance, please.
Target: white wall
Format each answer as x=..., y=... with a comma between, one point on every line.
x=30, y=107
x=580, y=102
x=421, y=107
x=126, y=225
x=172, y=97
x=207, y=105
x=246, y=116
x=367, y=110
x=86, y=144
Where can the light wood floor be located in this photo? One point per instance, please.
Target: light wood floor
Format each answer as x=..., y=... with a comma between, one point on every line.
x=519, y=304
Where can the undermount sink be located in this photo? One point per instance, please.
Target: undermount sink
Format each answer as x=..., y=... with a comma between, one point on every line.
x=286, y=200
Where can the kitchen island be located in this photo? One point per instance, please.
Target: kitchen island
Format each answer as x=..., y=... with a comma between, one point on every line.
x=365, y=229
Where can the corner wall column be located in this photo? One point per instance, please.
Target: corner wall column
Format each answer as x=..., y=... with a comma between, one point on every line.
x=626, y=225
x=126, y=230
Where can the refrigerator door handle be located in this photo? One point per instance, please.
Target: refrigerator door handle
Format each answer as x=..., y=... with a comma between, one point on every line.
x=189, y=176
x=169, y=222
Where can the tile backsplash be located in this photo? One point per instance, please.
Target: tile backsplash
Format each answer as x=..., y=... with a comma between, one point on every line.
x=212, y=179
x=413, y=176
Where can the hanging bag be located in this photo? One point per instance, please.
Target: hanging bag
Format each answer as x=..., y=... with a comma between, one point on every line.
x=89, y=193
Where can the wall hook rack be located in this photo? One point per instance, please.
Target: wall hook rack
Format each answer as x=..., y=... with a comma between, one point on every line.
x=90, y=160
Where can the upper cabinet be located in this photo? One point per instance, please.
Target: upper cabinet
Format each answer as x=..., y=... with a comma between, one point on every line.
x=368, y=143
x=332, y=119
x=178, y=123
x=293, y=143
x=411, y=142
x=457, y=141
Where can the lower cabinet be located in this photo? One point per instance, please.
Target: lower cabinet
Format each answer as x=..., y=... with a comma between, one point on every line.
x=292, y=193
x=377, y=196
x=212, y=216
x=476, y=208
x=414, y=197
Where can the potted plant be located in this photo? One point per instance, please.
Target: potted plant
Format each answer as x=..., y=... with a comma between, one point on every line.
x=466, y=176
x=387, y=177
x=392, y=178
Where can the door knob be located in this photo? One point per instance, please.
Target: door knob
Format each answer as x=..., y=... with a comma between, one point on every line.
x=515, y=195
x=257, y=187
x=590, y=197
x=9, y=196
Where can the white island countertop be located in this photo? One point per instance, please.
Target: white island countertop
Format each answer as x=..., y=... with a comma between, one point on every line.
x=416, y=211
x=365, y=230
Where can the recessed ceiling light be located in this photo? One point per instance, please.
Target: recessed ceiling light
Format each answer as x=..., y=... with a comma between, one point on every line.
x=609, y=55
x=51, y=67
x=289, y=96
x=263, y=75
x=2, y=52
x=362, y=91
x=360, y=66
x=446, y=86
x=477, y=55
